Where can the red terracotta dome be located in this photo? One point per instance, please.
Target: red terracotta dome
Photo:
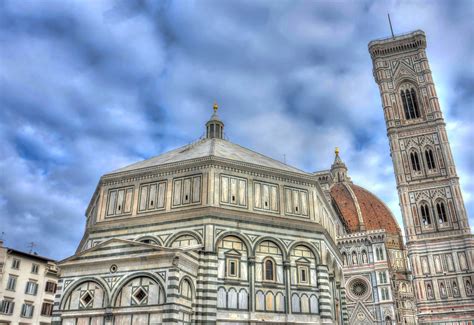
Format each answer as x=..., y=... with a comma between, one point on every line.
x=362, y=210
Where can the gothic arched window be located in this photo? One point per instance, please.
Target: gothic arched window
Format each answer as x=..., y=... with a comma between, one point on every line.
x=269, y=269
x=410, y=104
x=425, y=215
x=442, y=216
x=415, y=161
x=430, y=159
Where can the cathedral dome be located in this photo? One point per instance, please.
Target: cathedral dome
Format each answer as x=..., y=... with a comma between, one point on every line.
x=361, y=209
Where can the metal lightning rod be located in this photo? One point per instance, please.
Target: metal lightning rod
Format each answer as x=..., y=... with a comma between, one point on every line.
x=390, y=23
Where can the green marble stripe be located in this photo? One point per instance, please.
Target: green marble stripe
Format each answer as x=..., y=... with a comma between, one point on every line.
x=208, y=268
x=204, y=282
x=114, y=255
x=199, y=313
x=221, y=218
x=207, y=290
x=210, y=275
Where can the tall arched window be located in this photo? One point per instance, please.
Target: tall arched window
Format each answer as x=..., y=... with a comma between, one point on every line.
x=425, y=215
x=410, y=103
x=379, y=253
x=415, y=161
x=442, y=216
x=430, y=159
x=269, y=269
x=186, y=289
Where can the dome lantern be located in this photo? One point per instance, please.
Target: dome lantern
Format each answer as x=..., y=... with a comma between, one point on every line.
x=339, y=169
x=215, y=127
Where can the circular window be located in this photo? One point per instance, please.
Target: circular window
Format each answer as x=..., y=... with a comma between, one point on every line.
x=113, y=268
x=359, y=288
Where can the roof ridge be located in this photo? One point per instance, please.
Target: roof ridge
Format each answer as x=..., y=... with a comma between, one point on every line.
x=214, y=147
x=267, y=157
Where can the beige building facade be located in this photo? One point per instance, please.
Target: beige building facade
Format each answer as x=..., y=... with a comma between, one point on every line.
x=27, y=286
x=439, y=240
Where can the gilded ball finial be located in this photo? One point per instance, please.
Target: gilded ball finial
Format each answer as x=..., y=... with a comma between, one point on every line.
x=336, y=151
x=215, y=107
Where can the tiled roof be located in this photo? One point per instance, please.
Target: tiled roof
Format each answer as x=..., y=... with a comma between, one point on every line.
x=375, y=214
x=211, y=147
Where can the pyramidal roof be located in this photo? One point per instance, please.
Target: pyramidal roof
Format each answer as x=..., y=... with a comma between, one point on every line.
x=213, y=145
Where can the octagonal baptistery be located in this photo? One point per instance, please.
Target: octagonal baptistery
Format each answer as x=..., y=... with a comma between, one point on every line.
x=207, y=233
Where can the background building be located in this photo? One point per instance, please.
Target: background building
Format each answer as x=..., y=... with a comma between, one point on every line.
x=27, y=287
x=376, y=272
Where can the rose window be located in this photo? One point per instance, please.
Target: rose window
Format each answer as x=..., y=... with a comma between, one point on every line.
x=359, y=289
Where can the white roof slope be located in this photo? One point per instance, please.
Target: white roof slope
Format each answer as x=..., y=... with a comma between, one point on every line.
x=210, y=147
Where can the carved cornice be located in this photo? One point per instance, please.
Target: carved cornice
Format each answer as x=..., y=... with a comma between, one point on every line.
x=398, y=44
x=302, y=178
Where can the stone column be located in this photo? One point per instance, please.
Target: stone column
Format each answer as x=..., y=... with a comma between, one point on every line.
x=206, y=291
x=325, y=301
x=345, y=316
x=171, y=315
x=251, y=275
x=286, y=271
x=56, y=319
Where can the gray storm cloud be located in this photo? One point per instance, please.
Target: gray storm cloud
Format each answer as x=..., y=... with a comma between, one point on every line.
x=90, y=86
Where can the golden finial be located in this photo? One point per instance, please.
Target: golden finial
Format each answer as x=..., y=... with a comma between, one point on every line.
x=336, y=151
x=215, y=107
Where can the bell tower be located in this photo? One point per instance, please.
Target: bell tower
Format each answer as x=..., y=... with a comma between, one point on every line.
x=440, y=244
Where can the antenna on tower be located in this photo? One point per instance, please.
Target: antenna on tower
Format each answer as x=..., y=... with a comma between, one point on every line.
x=390, y=23
x=31, y=246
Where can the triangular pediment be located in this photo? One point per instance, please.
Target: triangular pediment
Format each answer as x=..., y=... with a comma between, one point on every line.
x=233, y=252
x=403, y=70
x=303, y=260
x=117, y=247
x=361, y=316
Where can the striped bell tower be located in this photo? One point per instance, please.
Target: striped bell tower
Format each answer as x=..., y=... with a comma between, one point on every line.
x=439, y=240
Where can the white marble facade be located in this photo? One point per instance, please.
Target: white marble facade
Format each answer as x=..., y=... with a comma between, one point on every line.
x=208, y=233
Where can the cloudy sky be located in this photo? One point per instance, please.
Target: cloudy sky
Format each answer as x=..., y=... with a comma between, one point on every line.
x=90, y=86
